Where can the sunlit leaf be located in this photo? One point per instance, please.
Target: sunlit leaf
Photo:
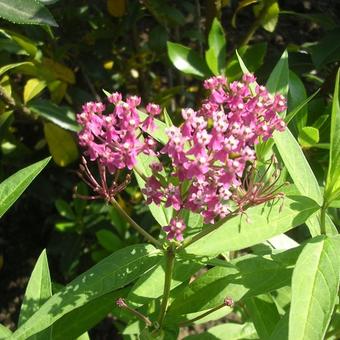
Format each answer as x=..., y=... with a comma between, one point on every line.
x=26, y=12
x=112, y=273
x=12, y=187
x=187, y=60
x=61, y=144
x=315, y=285
x=32, y=88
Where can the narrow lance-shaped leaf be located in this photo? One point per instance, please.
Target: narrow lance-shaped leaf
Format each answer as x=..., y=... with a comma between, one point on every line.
x=26, y=12
x=239, y=279
x=4, y=332
x=38, y=291
x=278, y=82
x=289, y=150
x=112, y=273
x=12, y=187
x=53, y=113
x=263, y=313
x=315, y=285
x=216, y=54
x=332, y=190
x=264, y=221
x=235, y=331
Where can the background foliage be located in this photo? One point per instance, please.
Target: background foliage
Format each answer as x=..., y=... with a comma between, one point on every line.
x=55, y=55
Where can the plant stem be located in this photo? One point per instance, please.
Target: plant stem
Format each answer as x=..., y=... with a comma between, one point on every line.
x=170, y=262
x=256, y=24
x=188, y=322
x=323, y=219
x=134, y=225
x=139, y=315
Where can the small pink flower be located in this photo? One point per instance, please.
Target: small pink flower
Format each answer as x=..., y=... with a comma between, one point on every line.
x=175, y=229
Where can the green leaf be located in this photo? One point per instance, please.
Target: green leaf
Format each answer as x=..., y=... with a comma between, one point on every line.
x=4, y=332
x=265, y=221
x=159, y=133
x=239, y=279
x=38, y=291
x=297, y=95
x=87, y=317
x=278, y=82
x=299, y=170
x=332, y=189
x=55, y=114
x=61, y=144
x=263, y=313
x=252, y=55
x=187, y=60
x=150, y=286
x=315, y=285
x=26, y=12
x=112, y=273
x=327, y=50
x=216, y=55
x=32, y=88
x=233, y=331
x=12, y=187
x=8, y=67
x=290, y=116
x=281, y=330
x=309, y=136
x=279, y=78
x=108, y=240
x=161, y=214
x=271, y=17
x=65, y=209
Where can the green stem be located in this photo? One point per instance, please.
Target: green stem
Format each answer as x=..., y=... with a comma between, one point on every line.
x=256, y=24
x=134, y=225
x=170, y=262
x=188, y=322
x=323, y=219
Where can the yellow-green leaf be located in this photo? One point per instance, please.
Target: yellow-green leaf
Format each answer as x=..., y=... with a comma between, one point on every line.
x=116, y=8
x=61, y=144
x=32, y=88
x=6, y=84
x=59, y=71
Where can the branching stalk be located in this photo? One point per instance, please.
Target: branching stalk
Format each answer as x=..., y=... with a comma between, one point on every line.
x=188, y=322
x=134, y=225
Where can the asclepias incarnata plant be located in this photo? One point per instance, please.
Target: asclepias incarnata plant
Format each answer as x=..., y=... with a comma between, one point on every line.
x=222, y=206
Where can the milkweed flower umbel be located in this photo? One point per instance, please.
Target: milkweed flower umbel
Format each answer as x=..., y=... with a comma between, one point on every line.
x=208, y=156
x=209, y=152
x=113, y=139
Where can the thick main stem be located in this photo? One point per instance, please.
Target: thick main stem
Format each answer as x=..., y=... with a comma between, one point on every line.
x=323, y=219
x=134, y=225
x=170, y=262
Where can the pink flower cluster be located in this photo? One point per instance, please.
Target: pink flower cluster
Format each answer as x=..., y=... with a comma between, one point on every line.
x=210, y=150
x=113, y=139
